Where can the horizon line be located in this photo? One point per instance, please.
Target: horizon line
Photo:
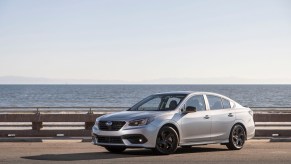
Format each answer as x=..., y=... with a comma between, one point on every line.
x=148, y=84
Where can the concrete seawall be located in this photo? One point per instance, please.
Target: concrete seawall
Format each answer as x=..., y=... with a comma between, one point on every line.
x=78, y=121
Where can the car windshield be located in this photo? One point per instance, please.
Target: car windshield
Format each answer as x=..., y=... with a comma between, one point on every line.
x=162, y=102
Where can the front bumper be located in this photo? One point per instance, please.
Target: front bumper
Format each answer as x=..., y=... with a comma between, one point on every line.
x=143, y=137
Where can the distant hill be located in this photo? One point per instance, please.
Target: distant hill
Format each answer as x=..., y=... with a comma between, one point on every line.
x=33, y=80
x=217, y=80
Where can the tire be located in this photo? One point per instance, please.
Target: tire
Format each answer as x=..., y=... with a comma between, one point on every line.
x=237, y=138
x=115, y=149
x=166, y=142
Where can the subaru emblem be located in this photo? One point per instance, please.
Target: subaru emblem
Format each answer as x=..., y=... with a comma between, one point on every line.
x=108, y=123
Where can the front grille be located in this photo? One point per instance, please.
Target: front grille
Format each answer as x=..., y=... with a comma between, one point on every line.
x=109, y=139
x=116, y=125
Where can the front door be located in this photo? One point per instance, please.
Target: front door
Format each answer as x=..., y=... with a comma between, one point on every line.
x=196, y=126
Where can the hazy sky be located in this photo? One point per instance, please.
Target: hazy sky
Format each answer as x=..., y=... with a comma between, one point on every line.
x=142, y=40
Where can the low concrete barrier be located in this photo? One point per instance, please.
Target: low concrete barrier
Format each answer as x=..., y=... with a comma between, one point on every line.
x=78, y=121
x=272, y=122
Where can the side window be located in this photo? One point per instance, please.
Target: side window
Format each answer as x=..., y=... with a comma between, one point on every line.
x=226, y=104
x=197, y=102
x=214, y=102
x=172, y=99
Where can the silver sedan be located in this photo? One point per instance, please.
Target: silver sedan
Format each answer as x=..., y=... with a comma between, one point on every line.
x=163, y=122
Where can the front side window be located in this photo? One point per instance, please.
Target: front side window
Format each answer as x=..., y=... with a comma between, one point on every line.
x=161, y=102
x=196, y=101
x=214, y=102
x=171, y=101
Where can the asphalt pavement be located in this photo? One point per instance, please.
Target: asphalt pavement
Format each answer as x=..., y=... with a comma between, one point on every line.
x=255, y=151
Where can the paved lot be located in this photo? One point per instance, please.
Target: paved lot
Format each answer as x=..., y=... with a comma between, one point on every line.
x=255, y=151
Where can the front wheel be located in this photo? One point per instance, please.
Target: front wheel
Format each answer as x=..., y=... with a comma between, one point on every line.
x=237, y=138
x=115, y=149
x=167, y=141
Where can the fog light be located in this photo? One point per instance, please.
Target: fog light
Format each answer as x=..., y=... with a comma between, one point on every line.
x=135, y=138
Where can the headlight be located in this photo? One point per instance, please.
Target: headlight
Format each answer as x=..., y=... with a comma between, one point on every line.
x=140, y=122
x=97, y=121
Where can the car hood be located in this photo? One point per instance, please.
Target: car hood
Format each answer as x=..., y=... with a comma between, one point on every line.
x=130, y=115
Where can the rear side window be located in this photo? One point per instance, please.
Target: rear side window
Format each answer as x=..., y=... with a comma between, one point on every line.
x=214, y=102
x=226, y=104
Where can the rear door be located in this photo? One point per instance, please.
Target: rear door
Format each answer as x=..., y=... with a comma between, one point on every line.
x=222, y=117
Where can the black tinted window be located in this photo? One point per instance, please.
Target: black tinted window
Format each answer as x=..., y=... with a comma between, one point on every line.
x=226, y=104
x=197, y=102
x=214, y=102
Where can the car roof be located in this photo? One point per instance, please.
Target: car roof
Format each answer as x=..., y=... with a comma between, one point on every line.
x=175, y=92
x=193, y=93
x=190, y=92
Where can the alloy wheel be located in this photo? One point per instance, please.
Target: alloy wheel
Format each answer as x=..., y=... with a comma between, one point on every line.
x=167, y=141
x=237, y=138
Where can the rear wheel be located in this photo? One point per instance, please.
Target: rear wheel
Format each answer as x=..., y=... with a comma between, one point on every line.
x=237, y=138
x=167, y=141
x=115, y=149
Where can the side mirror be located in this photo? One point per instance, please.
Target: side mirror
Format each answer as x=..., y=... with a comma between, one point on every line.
x=190, y=109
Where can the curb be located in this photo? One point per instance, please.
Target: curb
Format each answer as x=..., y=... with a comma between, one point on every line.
x=20, y=140
x=280, y=140
x=87, y=140
x=45, y=139
x=62, y=140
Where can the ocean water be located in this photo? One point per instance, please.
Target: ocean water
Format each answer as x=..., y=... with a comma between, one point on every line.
x=127, y=95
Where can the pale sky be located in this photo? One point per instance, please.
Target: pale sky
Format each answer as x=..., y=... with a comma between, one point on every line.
x=141, y=40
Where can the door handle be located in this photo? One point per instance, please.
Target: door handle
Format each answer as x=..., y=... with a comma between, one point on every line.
x=206, y=117
x=230, y=115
